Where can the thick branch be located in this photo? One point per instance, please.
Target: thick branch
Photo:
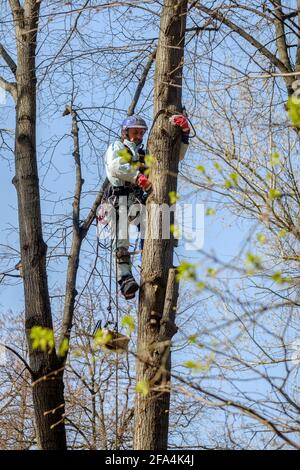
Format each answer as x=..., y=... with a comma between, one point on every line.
x=17, y=12
x=10, y=87
x=10, y=62
x=70, y=292
x=167, y=324
x=14, y=5
x=280, y=34
x=79, y=233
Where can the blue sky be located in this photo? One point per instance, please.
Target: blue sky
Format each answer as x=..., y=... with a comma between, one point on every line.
x=223, y=233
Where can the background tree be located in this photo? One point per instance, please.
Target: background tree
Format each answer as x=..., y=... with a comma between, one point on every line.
x=235, y=356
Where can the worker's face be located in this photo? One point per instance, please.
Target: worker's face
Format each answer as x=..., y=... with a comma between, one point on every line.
x=136, y=135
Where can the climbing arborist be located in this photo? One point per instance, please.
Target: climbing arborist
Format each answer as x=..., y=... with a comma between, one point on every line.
x=125, y=165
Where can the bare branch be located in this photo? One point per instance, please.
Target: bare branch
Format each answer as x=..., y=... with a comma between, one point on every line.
x=14, y=4
x=244, y=409
x=73, y=263
x=92, y=214
x=254, y=42
x=19, y=357
x=10, y=87
x=10, y=62
x=141, y=83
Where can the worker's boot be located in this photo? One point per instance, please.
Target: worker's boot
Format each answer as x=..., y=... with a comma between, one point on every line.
x=128, y=286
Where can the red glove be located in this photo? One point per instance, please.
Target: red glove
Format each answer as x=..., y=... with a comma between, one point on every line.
x=181, y=121
x=143, y=182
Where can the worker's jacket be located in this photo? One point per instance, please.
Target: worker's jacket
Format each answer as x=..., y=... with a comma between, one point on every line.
x=121, y=162
x=122, y=158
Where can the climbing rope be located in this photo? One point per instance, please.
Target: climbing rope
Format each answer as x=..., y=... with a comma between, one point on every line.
x=110, y=282
x=110, y=320
x=117, y=354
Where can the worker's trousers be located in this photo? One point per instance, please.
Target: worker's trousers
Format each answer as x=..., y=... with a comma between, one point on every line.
x=128, y=209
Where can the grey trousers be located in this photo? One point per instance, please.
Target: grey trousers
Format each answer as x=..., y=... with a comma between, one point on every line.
x=126, y=211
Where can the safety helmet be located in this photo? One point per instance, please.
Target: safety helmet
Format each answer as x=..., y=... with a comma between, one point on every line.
x=134, y=122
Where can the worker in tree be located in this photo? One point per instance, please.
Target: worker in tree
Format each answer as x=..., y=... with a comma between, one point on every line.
x=125, y=165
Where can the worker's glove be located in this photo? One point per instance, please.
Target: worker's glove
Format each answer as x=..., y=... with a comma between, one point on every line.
x=181, y=121
x=143, y=182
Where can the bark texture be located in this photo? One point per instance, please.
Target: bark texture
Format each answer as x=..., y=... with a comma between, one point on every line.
x=159, y=291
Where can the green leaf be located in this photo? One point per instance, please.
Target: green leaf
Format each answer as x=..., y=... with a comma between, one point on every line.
x=149, y=160
x=250, y=272
x=196, y=366
x=254, y=260
x=210, y=211
x=42, y=338
x=173, y=197
x=102, y=337
x=261, y=238
x=64, y=347
x=77, y=353
x=200, y=285
x=135, y=165
x=193, y=339
x=275, y=159
x=190, y=364
x=217, y=166
x=279, y=279
x=211, y=272
x=143, y=387
x=234, y=177
x=282, y=233
x=128, y=323
x=186, y=271
x=293, y=106
x=175, y=230
x=274, y=194
x=228, y=184
x=125, y=155
x=200, y=168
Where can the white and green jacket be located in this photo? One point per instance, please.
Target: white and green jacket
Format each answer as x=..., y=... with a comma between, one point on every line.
x=118, y=169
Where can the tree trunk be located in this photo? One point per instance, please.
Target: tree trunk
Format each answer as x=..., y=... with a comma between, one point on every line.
x=48, y=398
x=158, y=292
